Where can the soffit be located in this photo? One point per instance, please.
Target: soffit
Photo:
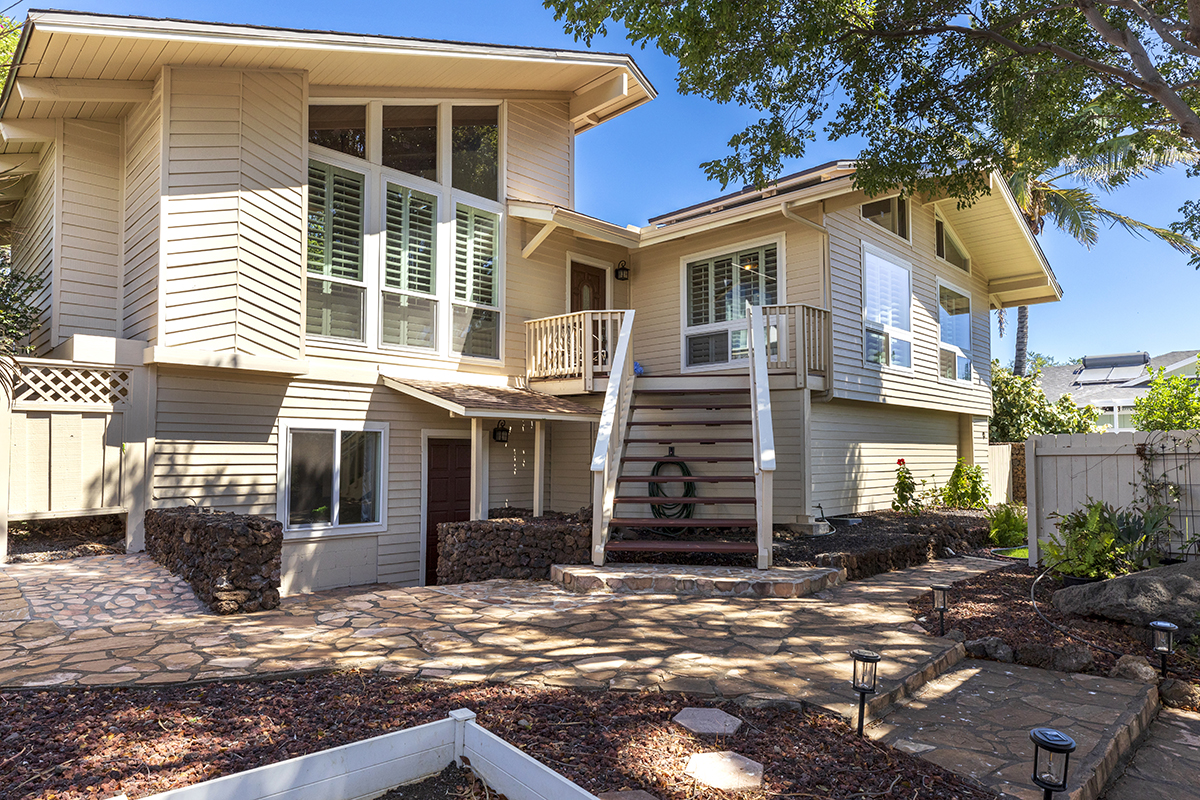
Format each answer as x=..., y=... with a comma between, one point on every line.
x=83, y=46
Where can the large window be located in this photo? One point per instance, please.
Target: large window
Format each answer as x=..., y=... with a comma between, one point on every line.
x=890, y=214
x=887, y=303
x=333, y=477
x=954, y=323
x=405, y=233
x=718, y=289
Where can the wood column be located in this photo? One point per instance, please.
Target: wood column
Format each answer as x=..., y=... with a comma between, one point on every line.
x=480, y=452
x=539, y=468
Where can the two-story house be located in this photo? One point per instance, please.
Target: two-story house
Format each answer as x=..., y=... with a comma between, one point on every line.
x=339, y=279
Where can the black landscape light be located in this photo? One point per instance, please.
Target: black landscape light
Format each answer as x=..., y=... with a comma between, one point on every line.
x=622, y=271
x=1164, y=640
x=1051, y=755
x=941, y=601
x=500, y=432
x=865, y=676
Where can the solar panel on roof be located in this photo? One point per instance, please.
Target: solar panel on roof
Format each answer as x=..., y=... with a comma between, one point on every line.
x=1126, y=373
x=1093, y=375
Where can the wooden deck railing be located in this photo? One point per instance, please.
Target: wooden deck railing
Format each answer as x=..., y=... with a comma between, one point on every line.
x=576, y=345
x=799, y=337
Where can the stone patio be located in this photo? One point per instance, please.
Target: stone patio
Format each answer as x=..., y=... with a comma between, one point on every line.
x=728, y=581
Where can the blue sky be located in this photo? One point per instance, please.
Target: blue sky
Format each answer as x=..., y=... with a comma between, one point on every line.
x=1125, y=294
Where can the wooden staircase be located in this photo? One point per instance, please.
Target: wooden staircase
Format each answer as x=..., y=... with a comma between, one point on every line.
x=708, y=429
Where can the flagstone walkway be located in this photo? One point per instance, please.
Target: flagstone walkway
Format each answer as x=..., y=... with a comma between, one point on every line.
x=121, y=620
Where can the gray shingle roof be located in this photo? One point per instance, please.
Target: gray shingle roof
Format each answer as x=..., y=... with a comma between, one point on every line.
x=1058, y=381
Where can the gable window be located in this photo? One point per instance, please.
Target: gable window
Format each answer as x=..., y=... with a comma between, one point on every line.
x=887, y=303
x=954, y=323
x=336, y=290
x=890, y=214
x=405, y=233
x=718, y=289
x=948, y=247
x=333, y=476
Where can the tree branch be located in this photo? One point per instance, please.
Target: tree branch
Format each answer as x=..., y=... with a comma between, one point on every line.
x=1164, y=31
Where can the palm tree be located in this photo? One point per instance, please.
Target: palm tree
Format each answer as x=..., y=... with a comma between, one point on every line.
x=1076, y=210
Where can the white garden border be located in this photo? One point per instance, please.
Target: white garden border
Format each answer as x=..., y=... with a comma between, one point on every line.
x=372, y=767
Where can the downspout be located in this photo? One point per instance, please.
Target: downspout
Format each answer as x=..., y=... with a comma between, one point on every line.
x=826, y=283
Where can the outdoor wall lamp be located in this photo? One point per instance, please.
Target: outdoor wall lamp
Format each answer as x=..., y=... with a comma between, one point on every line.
x=1051, y=754
x=500, y=432
x=941, y=598
x=622, y=271
x=1164, y=640
x=864, y=679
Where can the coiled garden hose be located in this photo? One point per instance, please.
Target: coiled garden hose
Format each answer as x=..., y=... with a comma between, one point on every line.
x=672, y=510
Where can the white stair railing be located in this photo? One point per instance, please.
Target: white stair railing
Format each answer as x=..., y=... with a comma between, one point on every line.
x=610, y=438
x=764, y=435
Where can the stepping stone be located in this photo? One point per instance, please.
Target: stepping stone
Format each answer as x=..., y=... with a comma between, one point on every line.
x=708, y=721
x=629, y=794
x=725, y=770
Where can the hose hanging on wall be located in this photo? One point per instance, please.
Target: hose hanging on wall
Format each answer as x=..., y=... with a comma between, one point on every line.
x=672, y=510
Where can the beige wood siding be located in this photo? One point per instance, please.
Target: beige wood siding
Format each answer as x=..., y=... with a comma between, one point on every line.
x=856, y=445
x=65, y=461
x=234, y=212
x=89, y=261
x=510, y=466
x=656, y=276
x=33, y=244
x=143, y=184
x=217, y=443
x=540, y=150
x=921, y=386
x=570, y=449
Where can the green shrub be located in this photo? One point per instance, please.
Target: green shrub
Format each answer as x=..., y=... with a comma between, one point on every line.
x=1100, y=541
x=1007, y=525
x=907, y=499
x=966, y=488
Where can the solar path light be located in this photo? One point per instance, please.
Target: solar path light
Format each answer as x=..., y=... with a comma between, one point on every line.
x=1051, y=756
x=1164, y=640
x=941, y=601
x=865, y=676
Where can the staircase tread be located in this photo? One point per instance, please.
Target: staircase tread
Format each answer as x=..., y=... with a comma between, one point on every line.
x=685, y=406
x=708, y=522
x=667, y=500
x=692, y=391
x=694, y=459
x=686, y=479
x=691, y=440
x=643, y=545
x=673, y=422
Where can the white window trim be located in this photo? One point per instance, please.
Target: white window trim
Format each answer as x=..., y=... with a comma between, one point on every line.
x=949, y=230
x=908, y=215
x=283, y=486
x=780, y=242
x=887, y=330
x=1117, y=407
x=375, y=183
x=958, y=351
x=590, y=261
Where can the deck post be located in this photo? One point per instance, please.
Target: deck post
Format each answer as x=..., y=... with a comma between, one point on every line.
x=539, y=467
x=6, y=396
x=137, y=465
x=479, y=469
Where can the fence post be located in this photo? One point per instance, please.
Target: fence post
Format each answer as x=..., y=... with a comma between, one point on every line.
x=461, y=717
x=1031, y=499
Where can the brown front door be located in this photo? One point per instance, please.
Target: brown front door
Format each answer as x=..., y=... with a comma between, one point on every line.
x=448, y=481
x=589, y=287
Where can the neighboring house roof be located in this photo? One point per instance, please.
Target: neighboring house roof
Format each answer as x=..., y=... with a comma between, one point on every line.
x=83, y=65
x=1119, y=377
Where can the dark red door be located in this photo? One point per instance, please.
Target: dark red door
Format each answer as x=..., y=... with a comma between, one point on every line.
x=448, y=481
x=588, y=288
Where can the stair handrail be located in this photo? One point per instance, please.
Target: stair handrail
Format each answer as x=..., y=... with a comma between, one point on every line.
x=763, y=431
x=610, y=438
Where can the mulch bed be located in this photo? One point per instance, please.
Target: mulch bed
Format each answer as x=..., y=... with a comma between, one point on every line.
x=96, y=743
x=35, y=542
x=997, y=604
x=452, y=782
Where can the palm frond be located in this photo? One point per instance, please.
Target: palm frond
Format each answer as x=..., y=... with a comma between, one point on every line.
x=1073, y=210
x=1121, y=159
x=1178, y=241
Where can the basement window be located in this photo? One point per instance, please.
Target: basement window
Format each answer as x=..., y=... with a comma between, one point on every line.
x=333, y=476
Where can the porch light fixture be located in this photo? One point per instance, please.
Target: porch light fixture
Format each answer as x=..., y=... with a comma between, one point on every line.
x=941, y=601
x=864, y=679
x=622, y=271
x=500, y=432
x=1164, y=640
x=1051, y=754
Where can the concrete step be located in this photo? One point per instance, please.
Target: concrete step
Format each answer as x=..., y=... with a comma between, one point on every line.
x=975, y=720
x=716, y=581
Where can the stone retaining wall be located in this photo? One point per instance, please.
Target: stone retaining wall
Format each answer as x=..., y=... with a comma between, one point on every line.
x=908, y=550
x=517, y=547
x=232, y=561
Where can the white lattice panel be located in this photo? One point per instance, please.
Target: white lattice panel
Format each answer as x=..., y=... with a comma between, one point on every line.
x=72, y=386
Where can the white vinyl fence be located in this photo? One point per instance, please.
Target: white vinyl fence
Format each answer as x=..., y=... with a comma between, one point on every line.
x=1064, y=472
x=1000, y=472
x=374, y=766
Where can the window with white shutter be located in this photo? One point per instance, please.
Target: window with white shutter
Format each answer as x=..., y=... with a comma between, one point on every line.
x=887, y=304
x=476, y=321
x=718, y=289
x=409, y=306
x=336, y=289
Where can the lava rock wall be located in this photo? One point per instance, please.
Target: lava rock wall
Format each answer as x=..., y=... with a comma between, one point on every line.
x=519, y=547
x=232, y=561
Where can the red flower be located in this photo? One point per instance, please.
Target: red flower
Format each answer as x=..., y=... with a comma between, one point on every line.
x=900, y=461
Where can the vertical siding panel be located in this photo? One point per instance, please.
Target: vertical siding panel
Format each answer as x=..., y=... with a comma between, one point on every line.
x=38, y=439
x=33, y=244
x=93, y=460
x=89, y=262
x=18, y=479
x=143, y=169
x=66, y=461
